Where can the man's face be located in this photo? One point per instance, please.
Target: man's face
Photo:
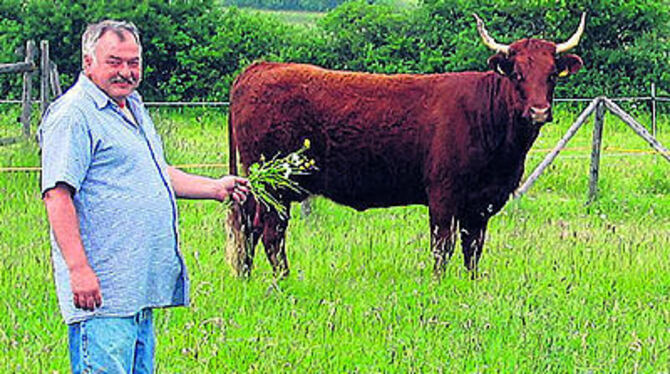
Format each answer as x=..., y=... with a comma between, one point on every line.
x=117, y=67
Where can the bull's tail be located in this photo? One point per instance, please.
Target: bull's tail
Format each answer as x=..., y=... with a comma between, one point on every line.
x=239, y=247
x=236, y=242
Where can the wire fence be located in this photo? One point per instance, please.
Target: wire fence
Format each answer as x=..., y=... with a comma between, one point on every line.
x=653, y=99
x=608, y=151
x=226, y=103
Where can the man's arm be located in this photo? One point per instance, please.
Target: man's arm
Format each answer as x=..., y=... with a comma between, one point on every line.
x=191, y=186
x=65, y=225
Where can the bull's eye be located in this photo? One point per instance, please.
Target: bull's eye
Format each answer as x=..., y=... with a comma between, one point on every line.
x=517, y=76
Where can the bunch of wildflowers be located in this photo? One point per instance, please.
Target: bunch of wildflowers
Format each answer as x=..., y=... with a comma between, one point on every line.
x=266, y=177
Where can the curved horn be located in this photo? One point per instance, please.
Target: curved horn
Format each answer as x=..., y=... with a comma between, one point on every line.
x=488, y=40
x=574, y=39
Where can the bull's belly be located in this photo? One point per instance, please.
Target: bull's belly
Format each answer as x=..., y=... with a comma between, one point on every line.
x=377, y=200
x=362, y=188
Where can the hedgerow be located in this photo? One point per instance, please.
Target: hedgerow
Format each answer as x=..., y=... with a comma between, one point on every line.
x=194, y=49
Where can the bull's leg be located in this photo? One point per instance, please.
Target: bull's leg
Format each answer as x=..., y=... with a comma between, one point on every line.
x=443, y=228
x=243, y=236
x=473, y=234
x=274, y=240
x=306, y=207
x=443, y=239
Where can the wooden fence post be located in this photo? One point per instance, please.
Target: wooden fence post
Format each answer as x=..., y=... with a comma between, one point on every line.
x=598, y=123
x=54, y=80
x=44, y=76
x=26, y=98
x=554, y=152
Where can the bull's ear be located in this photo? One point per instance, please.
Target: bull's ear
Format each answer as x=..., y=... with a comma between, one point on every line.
x=501, y=64
x=568, y=64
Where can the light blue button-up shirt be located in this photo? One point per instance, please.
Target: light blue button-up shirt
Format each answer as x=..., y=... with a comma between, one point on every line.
x=124, y=200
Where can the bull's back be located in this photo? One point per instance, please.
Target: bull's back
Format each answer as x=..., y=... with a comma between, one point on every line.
x=367, y=101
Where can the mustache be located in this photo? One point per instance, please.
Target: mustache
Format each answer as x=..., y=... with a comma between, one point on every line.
x=121, y=79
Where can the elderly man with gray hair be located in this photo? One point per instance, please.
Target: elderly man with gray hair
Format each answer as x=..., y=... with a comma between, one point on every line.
x=110, y=200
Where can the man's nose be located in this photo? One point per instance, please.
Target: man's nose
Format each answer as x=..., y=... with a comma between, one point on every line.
x=125, y=70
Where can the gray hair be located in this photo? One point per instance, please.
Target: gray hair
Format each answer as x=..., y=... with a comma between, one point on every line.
x=95, y=31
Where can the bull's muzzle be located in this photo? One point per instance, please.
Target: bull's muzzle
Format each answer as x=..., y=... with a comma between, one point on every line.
x=540, y=115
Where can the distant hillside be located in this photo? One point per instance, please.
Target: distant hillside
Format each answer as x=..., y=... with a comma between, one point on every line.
x=303, y=5
x=293, y=17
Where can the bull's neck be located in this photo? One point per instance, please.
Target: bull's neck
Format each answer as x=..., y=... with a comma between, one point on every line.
x=503, y=105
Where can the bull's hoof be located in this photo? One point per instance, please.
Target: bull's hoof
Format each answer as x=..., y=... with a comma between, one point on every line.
x=439, y=270
x=476, y=274
x=281, y=273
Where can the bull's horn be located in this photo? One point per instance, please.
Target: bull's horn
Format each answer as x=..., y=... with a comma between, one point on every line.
x=488, y=40
x=574, y=39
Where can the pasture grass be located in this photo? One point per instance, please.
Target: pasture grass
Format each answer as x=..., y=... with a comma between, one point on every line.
x=311, y=18
x=564, y=287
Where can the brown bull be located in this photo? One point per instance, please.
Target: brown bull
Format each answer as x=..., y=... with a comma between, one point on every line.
x=455, y=142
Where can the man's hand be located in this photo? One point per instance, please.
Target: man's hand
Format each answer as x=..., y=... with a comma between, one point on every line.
x=85, y=288
x=232, y=186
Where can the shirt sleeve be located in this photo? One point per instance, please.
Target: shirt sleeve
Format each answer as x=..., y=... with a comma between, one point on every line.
x=66, y=144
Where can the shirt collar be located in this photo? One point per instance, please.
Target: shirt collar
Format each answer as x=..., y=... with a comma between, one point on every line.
x=99, y=97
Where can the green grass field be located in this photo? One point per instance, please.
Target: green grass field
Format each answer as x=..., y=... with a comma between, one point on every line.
x=308, y=18
x=296, y=17
x=564, y=288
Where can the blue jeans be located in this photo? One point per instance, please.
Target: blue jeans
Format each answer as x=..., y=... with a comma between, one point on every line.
x=113, y=344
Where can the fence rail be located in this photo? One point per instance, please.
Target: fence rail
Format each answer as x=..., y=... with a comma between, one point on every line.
x=26, y=68
x=20, y=67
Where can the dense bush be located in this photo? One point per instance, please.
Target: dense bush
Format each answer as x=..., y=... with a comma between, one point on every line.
x=193, y=49
x=11, y=43
x=625, y=46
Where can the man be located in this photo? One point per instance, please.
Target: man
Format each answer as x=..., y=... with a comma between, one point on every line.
x=110, y=200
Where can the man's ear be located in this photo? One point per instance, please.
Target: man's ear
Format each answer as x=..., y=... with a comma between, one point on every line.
x=501, y=64
x=568, y=64
x=88, y=61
